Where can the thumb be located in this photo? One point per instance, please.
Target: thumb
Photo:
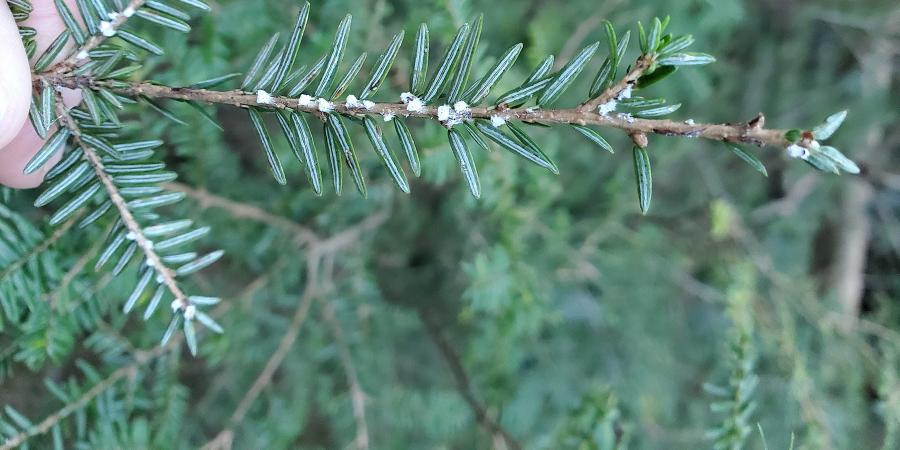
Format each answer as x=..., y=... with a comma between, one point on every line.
x=18, y=140
x=15, y=78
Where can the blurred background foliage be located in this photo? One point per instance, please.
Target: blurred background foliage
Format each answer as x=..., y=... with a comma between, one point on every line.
x=579, y=323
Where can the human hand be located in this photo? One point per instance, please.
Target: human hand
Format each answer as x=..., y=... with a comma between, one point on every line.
x=18, y=140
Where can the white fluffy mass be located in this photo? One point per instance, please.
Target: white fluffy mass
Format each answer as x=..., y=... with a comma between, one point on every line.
x=306, y=101
x=608, y=107
x=107, y=29
x=413, y=103
x=325, y=106
x=263, y=97
x=443, y=113
x=353, y=102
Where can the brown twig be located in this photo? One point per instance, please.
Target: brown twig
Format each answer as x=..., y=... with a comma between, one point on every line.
x=75, y=59
x=243, y=210
x=464, y=385
x=318, y=249
x=287, y=341
x=50, y=421
x=582, y=115
x=630, y=79
x=357, y=394
x=240, y=210
x=224, y=438
x=166, y=274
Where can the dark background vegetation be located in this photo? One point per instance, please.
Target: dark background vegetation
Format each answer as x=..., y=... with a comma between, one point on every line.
x=554, y=291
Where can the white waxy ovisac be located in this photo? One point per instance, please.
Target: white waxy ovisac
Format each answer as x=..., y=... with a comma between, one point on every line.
x=324, y=105
x=608, y=107
x=498, y=121
x=461, y=107
x=353, y=102
x=306, y=101
x=264, y=98
x=413, y=103
x=443, y=113
x=416, y=105
x=107, y=29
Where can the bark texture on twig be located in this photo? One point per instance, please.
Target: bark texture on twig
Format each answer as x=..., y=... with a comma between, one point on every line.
x=747, y=132
x=136, y=232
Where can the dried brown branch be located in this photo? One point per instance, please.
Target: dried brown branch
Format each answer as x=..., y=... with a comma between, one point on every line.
x=240, y=210
x=464, y=385
x=265, y=376
x=318, y=249
x=243, y=210
x=287, y=341
x=50, y=421
x=357, y=395
x=749, y=133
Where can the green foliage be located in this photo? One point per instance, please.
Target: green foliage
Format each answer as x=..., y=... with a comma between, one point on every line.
x=593, y=424
x=546, y=287
x=735, y=400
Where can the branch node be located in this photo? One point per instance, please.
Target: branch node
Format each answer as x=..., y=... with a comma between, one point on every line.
x=640, y=139
x=758, y=122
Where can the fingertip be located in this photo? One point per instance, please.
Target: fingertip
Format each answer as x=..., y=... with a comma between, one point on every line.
x=18, y=140
x=15, y=79
x=45, y=19
x=17, y=154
